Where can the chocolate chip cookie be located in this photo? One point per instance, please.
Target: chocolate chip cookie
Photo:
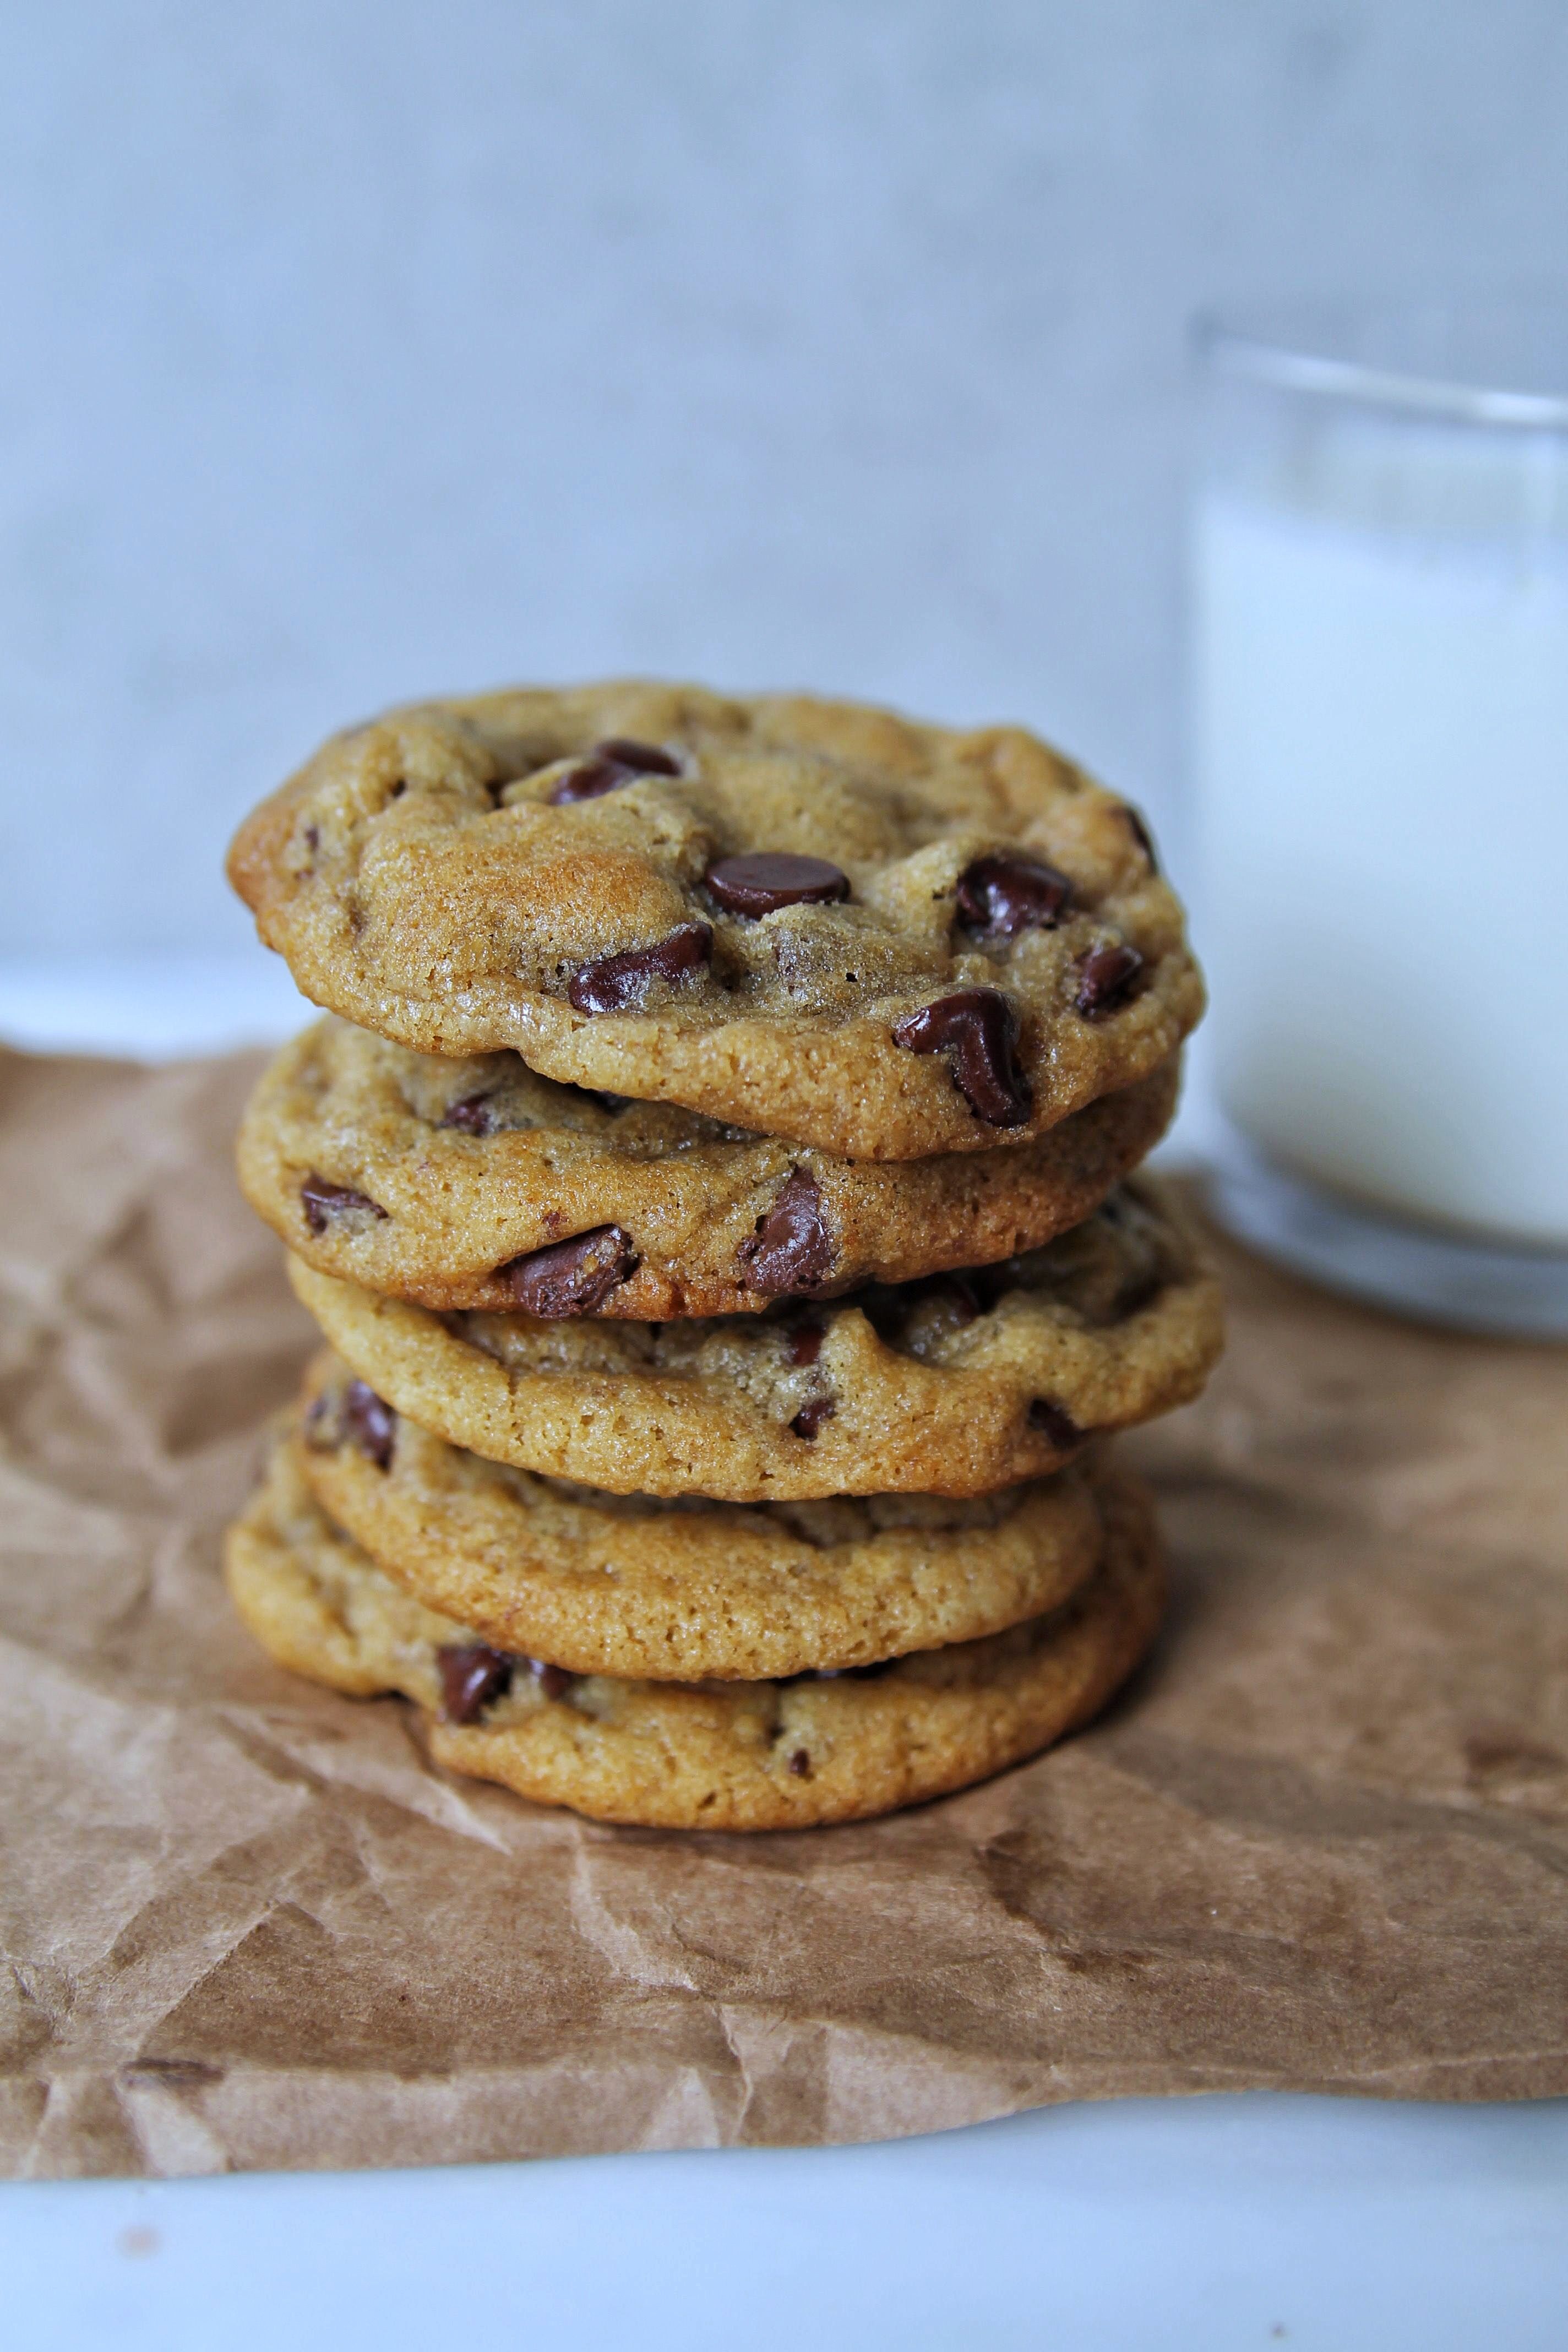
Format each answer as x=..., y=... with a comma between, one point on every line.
x=475, y=1182
x=775, y=1754
x=809, y=918
x=954, y=1386
x=613, y=1585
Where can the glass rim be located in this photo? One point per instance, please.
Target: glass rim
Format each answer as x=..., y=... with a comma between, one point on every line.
x=1262, y=351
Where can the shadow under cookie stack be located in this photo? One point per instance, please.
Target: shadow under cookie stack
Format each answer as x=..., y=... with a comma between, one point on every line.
x=710, y=1182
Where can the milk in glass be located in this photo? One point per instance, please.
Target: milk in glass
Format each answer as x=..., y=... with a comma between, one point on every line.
x=1380, y=664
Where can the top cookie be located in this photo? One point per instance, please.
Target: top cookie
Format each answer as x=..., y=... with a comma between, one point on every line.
x=811, y=919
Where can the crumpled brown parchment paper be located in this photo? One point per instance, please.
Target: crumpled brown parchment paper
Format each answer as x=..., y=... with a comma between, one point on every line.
x=1322, y=1842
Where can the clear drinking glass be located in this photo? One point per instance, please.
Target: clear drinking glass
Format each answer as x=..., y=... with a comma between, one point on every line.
x=1380, y=576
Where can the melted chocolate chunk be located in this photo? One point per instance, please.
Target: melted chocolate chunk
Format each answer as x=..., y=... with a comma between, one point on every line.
x=368, y=1423
x=1006, y=893
x=554, y=1681
x=587, y=779
x=322, y=1200
x=800, y=1764
x=609, y=765
x=642, y=759
x=1106, y=979
x=803, y=1344
x=793, y=1247
x=619, y=984
x=572, y=1277
x=768, y=879
x=982, y=1028
x=473, y=1115
x=1142, y=837
x=810, y=1418
x=473, y=1676
x=1053, y=1423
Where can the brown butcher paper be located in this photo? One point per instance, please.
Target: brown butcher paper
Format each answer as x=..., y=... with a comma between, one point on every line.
x=1321, y=1844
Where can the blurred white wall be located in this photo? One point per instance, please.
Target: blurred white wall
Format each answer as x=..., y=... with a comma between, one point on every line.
x=353, y=348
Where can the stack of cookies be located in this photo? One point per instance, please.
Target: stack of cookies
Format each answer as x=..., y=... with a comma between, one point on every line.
x=710, y=1182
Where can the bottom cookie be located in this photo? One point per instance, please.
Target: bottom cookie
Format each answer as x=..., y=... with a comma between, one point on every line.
x=731, y=1756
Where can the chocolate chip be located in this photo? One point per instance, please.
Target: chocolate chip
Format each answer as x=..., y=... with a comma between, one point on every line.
x=982, y=1028
x=793, y=1247
x=1142, y=837
x=312, y=838
x=572, y=1277
x=1006, y=893
x=587, y=779
x=642, y=759
x=1106, y=979
x=554, y=1681
x=1053, y=1423
x=803, y=1344
x=618, y=981
x=473, y=1676
x=322, y=1200
x=768, y=879
x=473, y=1115
x=810, y=1418
x=609, y=765
x=368, y=1423
x=800, y=1764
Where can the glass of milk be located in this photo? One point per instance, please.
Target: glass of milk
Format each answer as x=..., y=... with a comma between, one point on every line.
x=1380, y=653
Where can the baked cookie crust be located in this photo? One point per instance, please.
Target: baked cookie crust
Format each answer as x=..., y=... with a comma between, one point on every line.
x=687, y=1589
x=953, y=1386
x=814, y=920
x=433, y=1179
x=713, y=1754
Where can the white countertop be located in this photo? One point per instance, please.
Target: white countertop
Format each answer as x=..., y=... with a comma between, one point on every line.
x=1214, y=2224
x=1204, y=2223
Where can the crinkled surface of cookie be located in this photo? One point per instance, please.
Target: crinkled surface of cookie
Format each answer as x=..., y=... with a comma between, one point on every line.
x=815, y=919
x=955, y=1386
x=713, y=1754
x=475, y=1182
x=686, y=1589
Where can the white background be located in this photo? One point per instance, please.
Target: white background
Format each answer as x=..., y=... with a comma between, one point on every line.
x=358, y=348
